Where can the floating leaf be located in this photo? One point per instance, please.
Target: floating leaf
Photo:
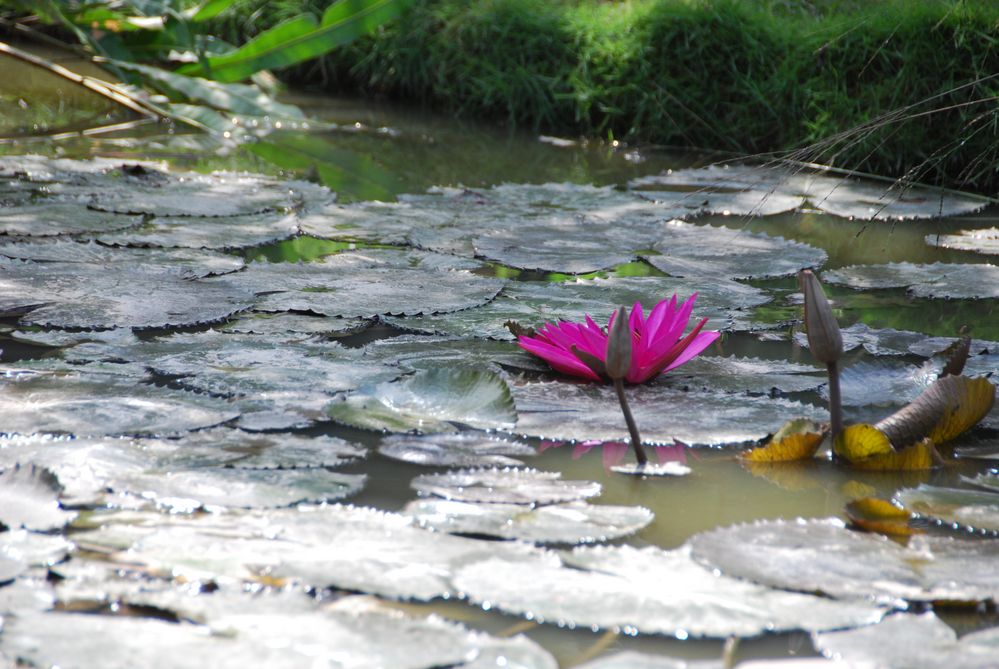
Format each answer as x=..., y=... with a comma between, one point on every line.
x=44, y=219
x=946, y=280
x=430, y=401
x=101, y=296
x=282, y=324
x=582, y=412
x=878, y=383
x=951, y=406
x=422, y=352
x=977, y=241
x=345, y=547
x=875, y=341
x=572, y=523
x=649, y=591
x=858, y=442
x=185, y=263
x=633, y=660
x=532, y=304
x=725, y=253
x=913, y=641
x=504, y=486
x=976, y=510
x=753, y=375
x=821, y=555
x=464, y=449
x=271, y=451
x=879, y=515
x=200, y=232
x=366, y=284
x=33, y=549
x=103, y=406
x=29, y=499
x=798, y=439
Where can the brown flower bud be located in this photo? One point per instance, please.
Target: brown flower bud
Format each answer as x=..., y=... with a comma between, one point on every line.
x=824, y=338
x=618, y=358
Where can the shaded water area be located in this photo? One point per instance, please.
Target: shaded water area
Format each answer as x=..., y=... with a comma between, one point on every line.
x=693, y=416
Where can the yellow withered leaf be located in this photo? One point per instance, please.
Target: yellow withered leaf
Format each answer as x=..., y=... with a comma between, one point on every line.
x=797, y=440
x=861, y=441
x=920, y=455
x=879, y=515
x=972, y=405
x=949, y=407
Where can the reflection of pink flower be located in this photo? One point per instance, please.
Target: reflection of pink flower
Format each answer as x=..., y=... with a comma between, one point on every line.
x=658, y=344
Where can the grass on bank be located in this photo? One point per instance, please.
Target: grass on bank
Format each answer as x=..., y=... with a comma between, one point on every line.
x=898, y=87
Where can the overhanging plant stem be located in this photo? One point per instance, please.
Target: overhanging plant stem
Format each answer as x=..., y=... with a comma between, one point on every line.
x=636, y=439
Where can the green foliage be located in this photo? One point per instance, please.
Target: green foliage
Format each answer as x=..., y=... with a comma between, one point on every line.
x=905, y=88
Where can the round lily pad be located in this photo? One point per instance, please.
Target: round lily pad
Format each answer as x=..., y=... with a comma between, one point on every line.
x=29, y=499
x=582, y=412
x=366, y=284
x=203, y=232
x=429, y=352
x=45, y=219
x=572, y=523
x=881, y=384
x=504, y=486
x=186, y=263
x=975, y=510
x=977, y=241
x=823, y=556
x=754, y=375
x=464, y=449
x=283, y=324
x=650, y=591
x=937, y=280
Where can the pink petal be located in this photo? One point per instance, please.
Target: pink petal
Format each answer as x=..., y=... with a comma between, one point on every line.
x=557, y=358
x=694, y=348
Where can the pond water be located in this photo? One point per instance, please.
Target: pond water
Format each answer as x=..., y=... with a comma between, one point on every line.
x=381, y=153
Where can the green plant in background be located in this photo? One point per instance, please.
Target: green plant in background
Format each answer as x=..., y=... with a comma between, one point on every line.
x=171, y=65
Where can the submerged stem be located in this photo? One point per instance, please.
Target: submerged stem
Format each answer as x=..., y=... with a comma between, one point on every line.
x=835, y=401
x=636, y=439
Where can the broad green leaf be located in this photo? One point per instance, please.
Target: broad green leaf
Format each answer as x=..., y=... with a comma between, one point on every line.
x=212, y=8
x=300, y=38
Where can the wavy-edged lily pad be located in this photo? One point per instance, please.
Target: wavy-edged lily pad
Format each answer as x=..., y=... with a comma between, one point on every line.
x=430, y=401
x=504, y=486
x=84, y=295
x=977, y=241
x=418, y=352
x=754, y=375
x=572, y=523
x=235, y=448
x=914, y=641
x=936, y=280
x=92, y=405
x=29, y=498
x=34, y=549
x=96, y=171
x=823, y=556
x=650, y=591
x=186, y=263
x=874, y=340
x=365, y=284
x=882, y=384
x=976, y=510
x=283, y=324
x=582, y=412
x=880, y=201
x=726, y=253
x=533, y=304
x=46, y=219
x=630, y=659
x=218, y=194
x=203, y=232
x=464, y=449
x=345, y=547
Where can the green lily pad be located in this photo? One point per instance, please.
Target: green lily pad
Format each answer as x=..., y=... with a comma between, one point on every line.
x=977, y=241
x=186, y=263
x=882, y=384
x=345, y=547
x=753, y=375
x=430, y=401
x=572, y=523
x=215, y=195
x=94, y=405
x=976, y=510
x=875, y=341
x=283, y=324
x=533, y=304
x=464, y=449
x=914, y=641
x=937, y=280
x=582, y=412
x=630, y=659
x=726, y=253
x=203, y=232
x=46, y=219
x=29, y=499
x=366, y=284
x=822, y=556
x=504, y=486
x=416, y=352
x=83, y=295
x=650, y=591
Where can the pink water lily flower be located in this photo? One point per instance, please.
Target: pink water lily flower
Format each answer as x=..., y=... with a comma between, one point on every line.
x=658, y=344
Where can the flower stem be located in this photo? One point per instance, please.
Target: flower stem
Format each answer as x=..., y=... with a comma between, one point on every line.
x=636, y=440
x=835, y=402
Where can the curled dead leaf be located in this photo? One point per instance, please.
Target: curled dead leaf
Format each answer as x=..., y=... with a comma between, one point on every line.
x=880, y=515
x=798, y=439
x=948, y=408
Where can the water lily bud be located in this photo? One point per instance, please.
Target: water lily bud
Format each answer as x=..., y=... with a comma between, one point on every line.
x=824, y=338
x=618, y=359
